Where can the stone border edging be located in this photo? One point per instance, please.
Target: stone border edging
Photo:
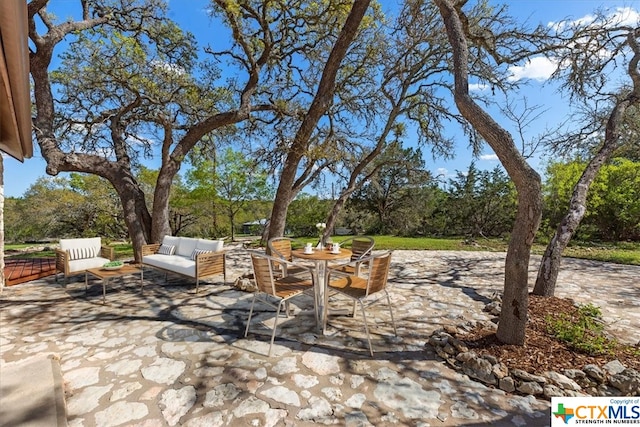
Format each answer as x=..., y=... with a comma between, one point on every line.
x=614, y=379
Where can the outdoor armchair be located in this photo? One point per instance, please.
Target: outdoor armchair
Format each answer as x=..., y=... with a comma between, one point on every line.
x=75, y=256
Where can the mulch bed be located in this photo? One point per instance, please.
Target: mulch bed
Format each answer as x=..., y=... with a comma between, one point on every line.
x=541, y=351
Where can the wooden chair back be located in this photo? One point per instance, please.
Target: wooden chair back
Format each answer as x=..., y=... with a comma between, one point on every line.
x=361, y=247
x=263, y=273
x=378, y=273
x=280, y=247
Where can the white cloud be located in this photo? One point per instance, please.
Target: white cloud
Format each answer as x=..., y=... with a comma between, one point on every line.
x=478, y=87
x=559, y=26
x=489, y=157
x=537, y=68
x=444, y=172
x=541, y=68
x=626, y=16
x=619, y=16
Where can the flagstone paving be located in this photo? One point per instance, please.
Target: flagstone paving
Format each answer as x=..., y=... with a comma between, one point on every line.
x=168, y=357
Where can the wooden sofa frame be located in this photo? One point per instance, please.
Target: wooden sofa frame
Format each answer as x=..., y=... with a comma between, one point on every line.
x=62, y=261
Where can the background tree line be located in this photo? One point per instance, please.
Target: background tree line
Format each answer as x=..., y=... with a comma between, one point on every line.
x=402, y=200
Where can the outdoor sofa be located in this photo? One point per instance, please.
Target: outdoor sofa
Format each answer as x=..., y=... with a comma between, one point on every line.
x=186, y=256
x=75, y=256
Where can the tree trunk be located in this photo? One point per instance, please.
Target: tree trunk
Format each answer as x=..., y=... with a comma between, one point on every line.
x=232, y=218
x=552, y=258
x=319, y=105
x=160, y=226
x=333, y=214
x=513, y=317
x=142, y=226
x=136, y=215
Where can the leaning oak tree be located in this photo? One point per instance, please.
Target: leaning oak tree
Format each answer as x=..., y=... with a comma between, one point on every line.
x=592, y=55
x=513, y=317
x=389, y=74
x=322, y=100
x=407, y=70
x=101, y=128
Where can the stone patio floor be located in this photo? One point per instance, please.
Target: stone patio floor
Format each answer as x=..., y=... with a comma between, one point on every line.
x=168, y=357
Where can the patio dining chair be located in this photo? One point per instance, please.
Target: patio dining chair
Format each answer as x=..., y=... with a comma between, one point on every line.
x=367, y=291
x=361, y=248
x=276, y=292
x=281, y=247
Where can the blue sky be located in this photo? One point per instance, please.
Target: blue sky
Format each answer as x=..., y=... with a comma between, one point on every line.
x=190, y=14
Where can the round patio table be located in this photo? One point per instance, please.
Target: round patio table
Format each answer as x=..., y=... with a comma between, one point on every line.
x=321, y=258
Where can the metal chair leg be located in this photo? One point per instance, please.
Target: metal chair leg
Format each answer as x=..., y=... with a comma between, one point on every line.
x=366, y=326
x=275, y=325
x=393, y=322
x=315, y=308
x=286, y=308
x=246, y=331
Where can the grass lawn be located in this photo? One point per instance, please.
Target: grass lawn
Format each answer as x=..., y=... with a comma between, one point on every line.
x=621, y=253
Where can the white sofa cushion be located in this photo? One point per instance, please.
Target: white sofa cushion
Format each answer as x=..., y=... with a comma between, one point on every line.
x=171, y=241
x=176, y=263
x=88, y=242
x=210, y=245
x=186, y=246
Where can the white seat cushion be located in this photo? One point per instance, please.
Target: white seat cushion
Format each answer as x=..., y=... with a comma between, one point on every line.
x=86, y=263
x=179, y=264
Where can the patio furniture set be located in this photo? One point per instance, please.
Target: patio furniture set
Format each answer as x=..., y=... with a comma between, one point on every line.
x=281, y=276
x=186, y=256
x=287, y=270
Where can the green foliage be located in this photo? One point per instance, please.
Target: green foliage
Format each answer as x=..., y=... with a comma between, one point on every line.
x=397, y=175
x=480, y=203
x=115, y=263
x=475, y=204
x=304, y=213
x=99, y=211
x=613, y=201
x=232, y=186
x=584, y=331
x=79, y=206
